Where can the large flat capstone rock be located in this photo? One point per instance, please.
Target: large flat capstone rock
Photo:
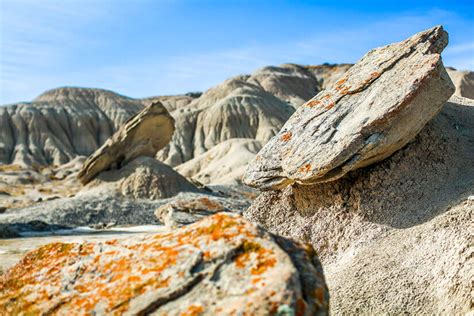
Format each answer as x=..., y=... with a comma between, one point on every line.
x=221, y=265
x=377, y=107
x=144, y=134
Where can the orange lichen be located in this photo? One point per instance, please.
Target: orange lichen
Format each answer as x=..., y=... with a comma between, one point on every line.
x=340, y=82
x=313, y=103
x=329, y=106
x=112, y=273
x=286, y=136
x=306, y=168
x=263, y=258
x=193, y=310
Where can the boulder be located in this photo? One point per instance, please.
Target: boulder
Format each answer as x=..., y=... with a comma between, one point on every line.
x=376, y=108
x=395, y=237
x=142, y=135
x=220, y=265
x=144, y=178
x=187, y=211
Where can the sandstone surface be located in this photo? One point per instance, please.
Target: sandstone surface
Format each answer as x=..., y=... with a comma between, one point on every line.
x=361, y=119
x=394, y=237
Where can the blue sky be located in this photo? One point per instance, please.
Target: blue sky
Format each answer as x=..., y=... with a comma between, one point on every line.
x=142, y=48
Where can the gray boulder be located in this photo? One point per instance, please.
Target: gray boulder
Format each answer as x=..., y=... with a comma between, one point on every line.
x=376, y=108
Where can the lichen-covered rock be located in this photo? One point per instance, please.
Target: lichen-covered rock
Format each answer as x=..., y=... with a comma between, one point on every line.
x=220, y=265
x=187, y=211
x=396, y=237
x=144, y=134
x=377, y=107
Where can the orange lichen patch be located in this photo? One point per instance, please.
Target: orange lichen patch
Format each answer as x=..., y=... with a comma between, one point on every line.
x=110, y=276
x=263, y=258
x=340, y=82
x=329, y=106
x=193, y=310
x=286, y=136
x=313, y=103
x=306, y=168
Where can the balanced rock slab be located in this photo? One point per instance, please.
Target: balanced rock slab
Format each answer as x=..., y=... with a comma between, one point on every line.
x=377, y=107
x=144, y=134
x=221, y=265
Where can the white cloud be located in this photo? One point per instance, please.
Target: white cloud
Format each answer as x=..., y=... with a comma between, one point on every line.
x=37, y=38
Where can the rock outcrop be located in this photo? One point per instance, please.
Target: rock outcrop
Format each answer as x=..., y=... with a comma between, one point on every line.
x=142, y=135
x=393, y=237
x=463, y=81
x=221, y=265
x=361, y=119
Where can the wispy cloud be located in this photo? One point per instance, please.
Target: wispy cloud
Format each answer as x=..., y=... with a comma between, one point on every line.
x=39, y=38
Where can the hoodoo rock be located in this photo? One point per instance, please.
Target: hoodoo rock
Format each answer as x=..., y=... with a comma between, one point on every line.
x=220, y=265
x=376, y=108
x=144, y=134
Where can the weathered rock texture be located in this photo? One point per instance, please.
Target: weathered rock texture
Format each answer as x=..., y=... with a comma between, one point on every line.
x=187, y=211
x=221, y=265
x=463, y=81
x=233, y=109
x=223, y=164
x=377, y=107
x=394, y=237
x=61, y=124
x=142, y=135
x=145, y=178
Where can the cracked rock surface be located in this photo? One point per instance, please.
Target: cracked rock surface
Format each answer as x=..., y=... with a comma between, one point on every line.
x=376, y=108
x=220, y=265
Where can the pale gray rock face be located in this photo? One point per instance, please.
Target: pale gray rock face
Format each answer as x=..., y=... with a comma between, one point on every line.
x=291, y=83
x=223, y=164
x=463, y=81
x=222, y=265
x=394, y=237
x=360, y=120
x=61, y=124
x=192, y=208
x=142, y=135
x=233, y=109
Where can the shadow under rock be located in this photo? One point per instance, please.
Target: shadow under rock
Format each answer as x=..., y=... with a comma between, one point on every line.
x=417, y=183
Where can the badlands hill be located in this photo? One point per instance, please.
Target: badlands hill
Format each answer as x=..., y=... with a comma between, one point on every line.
x=243, y=112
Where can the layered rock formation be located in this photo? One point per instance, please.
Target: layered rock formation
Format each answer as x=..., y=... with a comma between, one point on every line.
x=221, y=265
x=463, y=81
x=144, y=134
x=349, y=125
x=61, y=124
x=393, y=236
